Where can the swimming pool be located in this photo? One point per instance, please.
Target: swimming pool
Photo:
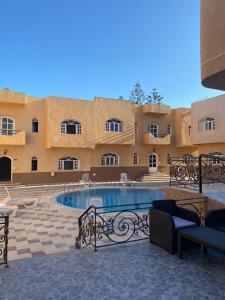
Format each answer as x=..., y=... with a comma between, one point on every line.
x=80, y=199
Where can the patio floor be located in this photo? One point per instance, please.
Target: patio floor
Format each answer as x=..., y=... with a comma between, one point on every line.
x=43, y=264
x=135, y=271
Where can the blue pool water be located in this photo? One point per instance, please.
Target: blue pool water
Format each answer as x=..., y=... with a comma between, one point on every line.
x=110, y=196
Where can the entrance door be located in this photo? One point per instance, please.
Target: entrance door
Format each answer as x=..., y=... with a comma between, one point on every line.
x=153, y=163
x=5, y=169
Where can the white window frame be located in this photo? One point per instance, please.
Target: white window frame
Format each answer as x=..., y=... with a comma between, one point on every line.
x=62, y=160
x=7, y=130
x=207, y=124
x=109, y=159
x=65, y=123
x=153, y=128
x=114, y=125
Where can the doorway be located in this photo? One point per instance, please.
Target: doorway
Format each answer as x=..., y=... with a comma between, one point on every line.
x=5, y=168
x=153, y=163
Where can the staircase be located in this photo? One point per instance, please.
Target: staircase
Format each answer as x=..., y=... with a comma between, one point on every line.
x=155, y=178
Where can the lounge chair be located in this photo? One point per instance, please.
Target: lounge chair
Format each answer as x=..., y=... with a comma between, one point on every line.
x=165, y=219
x=5, y=209
x=85, y=180
x=124, y=180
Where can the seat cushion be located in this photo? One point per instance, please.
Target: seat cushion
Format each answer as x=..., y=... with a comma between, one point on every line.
x=182, y=223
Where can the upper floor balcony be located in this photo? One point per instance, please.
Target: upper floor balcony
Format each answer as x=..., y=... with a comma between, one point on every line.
x=156, y=108
x=10, y=137
x=159, y=139
x=10, y=97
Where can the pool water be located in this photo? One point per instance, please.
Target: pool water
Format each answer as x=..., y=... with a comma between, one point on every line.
x=109, y=197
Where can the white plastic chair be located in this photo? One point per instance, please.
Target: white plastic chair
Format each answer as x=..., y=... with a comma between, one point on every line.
x=85, y=179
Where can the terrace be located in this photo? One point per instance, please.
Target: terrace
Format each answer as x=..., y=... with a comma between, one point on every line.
x=43, y=263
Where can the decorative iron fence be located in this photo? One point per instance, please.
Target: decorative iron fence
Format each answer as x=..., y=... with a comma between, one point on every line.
x=4, y=229
x=112, y=225
x=192, y=172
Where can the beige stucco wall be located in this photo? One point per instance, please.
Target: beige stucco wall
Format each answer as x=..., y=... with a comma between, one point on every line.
x=213, y=108
x=49, y=145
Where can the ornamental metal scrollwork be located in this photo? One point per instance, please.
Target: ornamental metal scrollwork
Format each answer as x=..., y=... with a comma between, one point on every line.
x=4, y=225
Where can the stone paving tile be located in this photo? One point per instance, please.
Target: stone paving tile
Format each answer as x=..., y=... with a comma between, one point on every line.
x=137, y=271
x=33, y=231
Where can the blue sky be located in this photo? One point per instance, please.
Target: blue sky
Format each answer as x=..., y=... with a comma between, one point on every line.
x=87, y=48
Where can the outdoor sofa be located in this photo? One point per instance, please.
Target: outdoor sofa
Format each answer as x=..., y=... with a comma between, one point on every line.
x=216, y=219
x=166, y=218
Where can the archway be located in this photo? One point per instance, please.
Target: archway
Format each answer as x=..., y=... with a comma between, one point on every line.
x=5, y=168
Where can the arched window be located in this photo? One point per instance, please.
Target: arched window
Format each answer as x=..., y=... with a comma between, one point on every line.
x=70, y=127
x=206, y=124
x=34, y=163
x=189, y=130
x=135, y=159
x=35, y=125
x=109, y=159
x=6, y=126
x=153, y=128
x=169, y=129
x=114, y=125
x=68, y=163
x=215, y=158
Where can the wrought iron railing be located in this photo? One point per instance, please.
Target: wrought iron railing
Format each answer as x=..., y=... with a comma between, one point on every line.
x=194, y=172
x=4, y=229
x=112, y=225
x=8, y=131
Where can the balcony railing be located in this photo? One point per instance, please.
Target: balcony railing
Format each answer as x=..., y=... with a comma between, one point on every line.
x=112, y=225
x=158, y=139
x=8, y=131
x=12, y=137
x=156, y=108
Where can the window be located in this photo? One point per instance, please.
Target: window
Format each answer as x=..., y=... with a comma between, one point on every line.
x=135, y=159
x=215, y=158
x=70, y=127
x=6, y=126
x=34, y=125
x=68, y=163
x=114, y=125
x=189, y=130
x=188, y=158
x=109, y=159
x=34, y=163
x=136, y=128
x=206, y=124
x=153, y=129
x=169, y=129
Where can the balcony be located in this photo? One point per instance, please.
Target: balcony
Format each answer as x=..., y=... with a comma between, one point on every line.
x=159, y=109
x=12, y=138
x=150, y=139
x=10, y=97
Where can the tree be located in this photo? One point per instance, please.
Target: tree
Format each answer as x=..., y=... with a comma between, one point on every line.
x=120, y=98
x=137, y=95
x=154, y=97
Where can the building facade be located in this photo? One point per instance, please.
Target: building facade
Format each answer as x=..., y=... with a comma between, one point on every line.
x=55, y=139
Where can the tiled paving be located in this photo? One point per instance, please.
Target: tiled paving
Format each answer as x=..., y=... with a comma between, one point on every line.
x=46, y=229
x=134, y=271
x=43, y=264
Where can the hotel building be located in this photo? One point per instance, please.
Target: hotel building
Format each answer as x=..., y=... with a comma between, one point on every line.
x=56, y=139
